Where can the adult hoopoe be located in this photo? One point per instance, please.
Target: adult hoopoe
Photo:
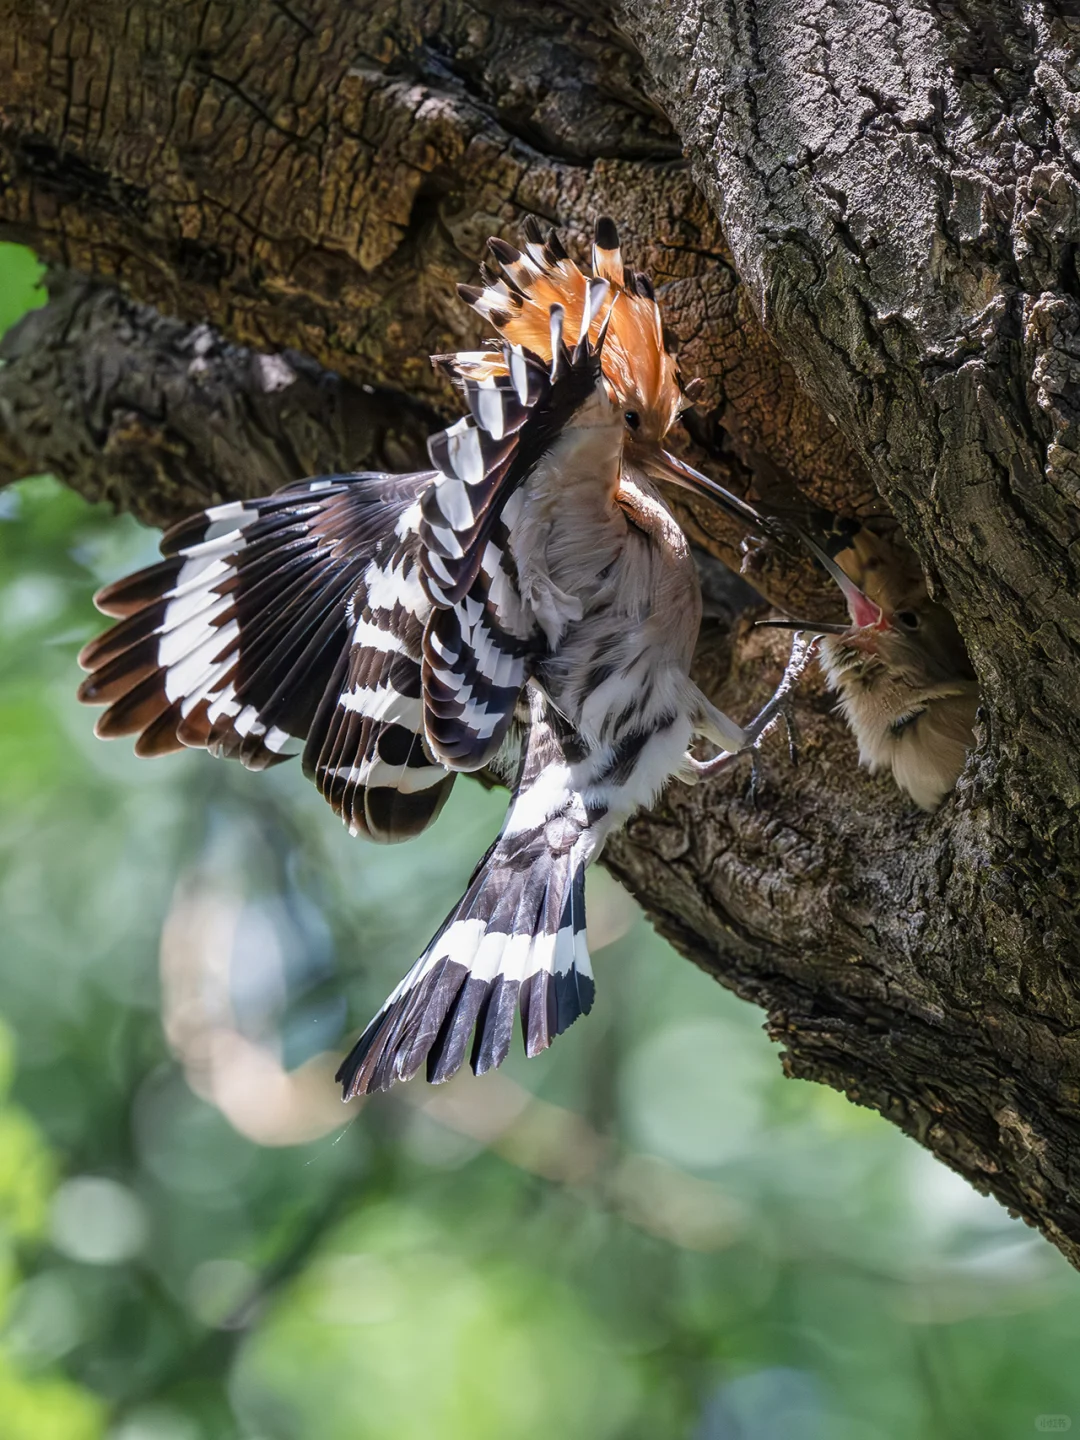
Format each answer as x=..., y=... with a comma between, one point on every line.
x=528, y=603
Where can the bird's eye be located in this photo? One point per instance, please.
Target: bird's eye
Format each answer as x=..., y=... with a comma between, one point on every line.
x=633, y=419
x=908, y=619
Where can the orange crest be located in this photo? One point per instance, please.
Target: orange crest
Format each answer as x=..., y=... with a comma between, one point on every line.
x=638, y=362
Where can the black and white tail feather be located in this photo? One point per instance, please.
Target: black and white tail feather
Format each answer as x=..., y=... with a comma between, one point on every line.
x=515, y=942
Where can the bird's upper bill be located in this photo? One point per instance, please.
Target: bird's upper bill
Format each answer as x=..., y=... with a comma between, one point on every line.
x=517, y=299
x=868, y=618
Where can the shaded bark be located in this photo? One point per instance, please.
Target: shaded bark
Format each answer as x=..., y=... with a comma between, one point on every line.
x=162, y=418
x=898, y=184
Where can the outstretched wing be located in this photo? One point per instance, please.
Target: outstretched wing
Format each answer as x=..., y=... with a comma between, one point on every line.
x=230, y=640
x=264, y=620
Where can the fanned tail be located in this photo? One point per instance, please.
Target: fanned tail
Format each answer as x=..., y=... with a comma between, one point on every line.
x=515, y=942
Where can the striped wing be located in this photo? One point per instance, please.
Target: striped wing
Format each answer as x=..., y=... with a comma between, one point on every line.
x=230, y=640
x=481, y=634
x=367, y=752
x=477, y=657
x=478, y=465
x=248, y=637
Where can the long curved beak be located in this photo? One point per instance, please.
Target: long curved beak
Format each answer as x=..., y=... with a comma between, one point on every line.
x=663, y=466
x=865, y=614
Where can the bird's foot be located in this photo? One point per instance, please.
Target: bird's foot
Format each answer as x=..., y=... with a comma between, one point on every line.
x=779, y=707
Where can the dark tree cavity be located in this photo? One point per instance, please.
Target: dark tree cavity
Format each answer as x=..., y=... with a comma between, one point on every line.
x=863, y=218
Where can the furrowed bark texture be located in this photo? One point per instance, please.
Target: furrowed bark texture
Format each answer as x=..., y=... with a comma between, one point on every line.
x=878, y=222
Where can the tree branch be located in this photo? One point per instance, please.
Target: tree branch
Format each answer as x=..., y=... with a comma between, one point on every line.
x=163, y=418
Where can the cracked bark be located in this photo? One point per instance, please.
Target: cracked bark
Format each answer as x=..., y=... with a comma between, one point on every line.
x=299, y=187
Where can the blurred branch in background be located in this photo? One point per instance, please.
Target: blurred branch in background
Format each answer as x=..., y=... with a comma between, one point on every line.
x=262, y=1100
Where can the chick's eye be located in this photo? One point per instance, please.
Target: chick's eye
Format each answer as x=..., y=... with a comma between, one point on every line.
x=908, y=619
x=633, y=419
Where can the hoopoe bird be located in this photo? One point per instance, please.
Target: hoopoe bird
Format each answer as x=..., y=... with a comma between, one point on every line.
x=528, y=604
x=906, y=685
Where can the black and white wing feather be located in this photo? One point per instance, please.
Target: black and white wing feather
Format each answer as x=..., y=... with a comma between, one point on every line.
x=367, y=751
x=286, y=623
x=482, y=634
x=230, y=641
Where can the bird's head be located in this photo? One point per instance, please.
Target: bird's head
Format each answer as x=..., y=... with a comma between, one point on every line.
x=639, y=365
x=896, y=628
x=640, y=369
x=912, y=635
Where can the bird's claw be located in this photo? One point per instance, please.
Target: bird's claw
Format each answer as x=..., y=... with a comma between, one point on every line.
x=778, y=708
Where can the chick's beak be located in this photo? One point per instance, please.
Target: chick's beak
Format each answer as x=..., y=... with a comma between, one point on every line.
x=865, y=614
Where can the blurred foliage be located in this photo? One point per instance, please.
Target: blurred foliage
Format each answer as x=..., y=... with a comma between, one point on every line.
x=645, y=1233
x=20, y=273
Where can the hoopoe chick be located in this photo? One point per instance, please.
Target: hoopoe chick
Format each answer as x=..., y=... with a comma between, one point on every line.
x=906, y=684
x=528, y=603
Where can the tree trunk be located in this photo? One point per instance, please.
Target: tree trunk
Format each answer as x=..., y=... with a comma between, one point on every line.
x=898, y=186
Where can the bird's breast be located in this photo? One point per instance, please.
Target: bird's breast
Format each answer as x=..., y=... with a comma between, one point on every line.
x=566, y=534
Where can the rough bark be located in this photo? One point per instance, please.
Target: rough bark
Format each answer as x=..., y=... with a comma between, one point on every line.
x=163, y=418
x=898, y=187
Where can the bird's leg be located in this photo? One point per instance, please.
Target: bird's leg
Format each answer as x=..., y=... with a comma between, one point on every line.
x=768, y=717
x=787, y=714
x=792, y=727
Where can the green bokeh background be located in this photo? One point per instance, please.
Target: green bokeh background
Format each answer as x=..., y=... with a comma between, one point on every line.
x=646, y=1233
